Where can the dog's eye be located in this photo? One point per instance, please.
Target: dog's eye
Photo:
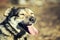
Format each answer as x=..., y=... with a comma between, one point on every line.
x=31, y=13
x=21, y=14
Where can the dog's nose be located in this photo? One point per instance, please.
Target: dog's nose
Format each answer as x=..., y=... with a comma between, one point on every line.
x=32, y=19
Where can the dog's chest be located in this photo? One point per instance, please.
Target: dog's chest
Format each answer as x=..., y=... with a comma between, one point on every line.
x=12, y=29
x=8, y=30
x=5, y=31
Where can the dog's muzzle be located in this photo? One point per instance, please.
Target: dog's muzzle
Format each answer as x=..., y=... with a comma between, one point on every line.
x=32, y=19
x=28, y=27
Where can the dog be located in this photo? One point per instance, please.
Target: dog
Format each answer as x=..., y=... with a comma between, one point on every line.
x=18, y=21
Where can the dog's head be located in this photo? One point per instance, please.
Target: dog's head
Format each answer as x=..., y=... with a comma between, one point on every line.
x=27, y=15
x=25, y=18
x=23, y=15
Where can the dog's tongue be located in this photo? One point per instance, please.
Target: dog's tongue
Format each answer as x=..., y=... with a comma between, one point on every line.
x=32, y=30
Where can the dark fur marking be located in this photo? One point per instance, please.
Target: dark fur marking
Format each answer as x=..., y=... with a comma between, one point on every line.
x=12, y=13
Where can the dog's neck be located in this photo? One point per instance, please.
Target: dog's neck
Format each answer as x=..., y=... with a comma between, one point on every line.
x=14, y=24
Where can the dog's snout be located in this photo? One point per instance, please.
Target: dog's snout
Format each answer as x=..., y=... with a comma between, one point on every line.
x=32, y=19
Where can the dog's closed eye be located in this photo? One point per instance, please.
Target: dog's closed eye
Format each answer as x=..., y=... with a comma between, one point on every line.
x=21, y=14
x=32, y=13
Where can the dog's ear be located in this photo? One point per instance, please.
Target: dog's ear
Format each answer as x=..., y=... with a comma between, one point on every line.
x=11, y=11
x=7, y=12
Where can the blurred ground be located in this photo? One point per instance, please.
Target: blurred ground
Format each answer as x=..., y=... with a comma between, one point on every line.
x=47, y=13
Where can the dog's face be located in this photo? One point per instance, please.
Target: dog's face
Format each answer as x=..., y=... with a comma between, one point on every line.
x=27, y=16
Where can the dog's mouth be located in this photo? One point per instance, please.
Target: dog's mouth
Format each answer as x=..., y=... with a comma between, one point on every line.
x=29, y=28
x=32, y=30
